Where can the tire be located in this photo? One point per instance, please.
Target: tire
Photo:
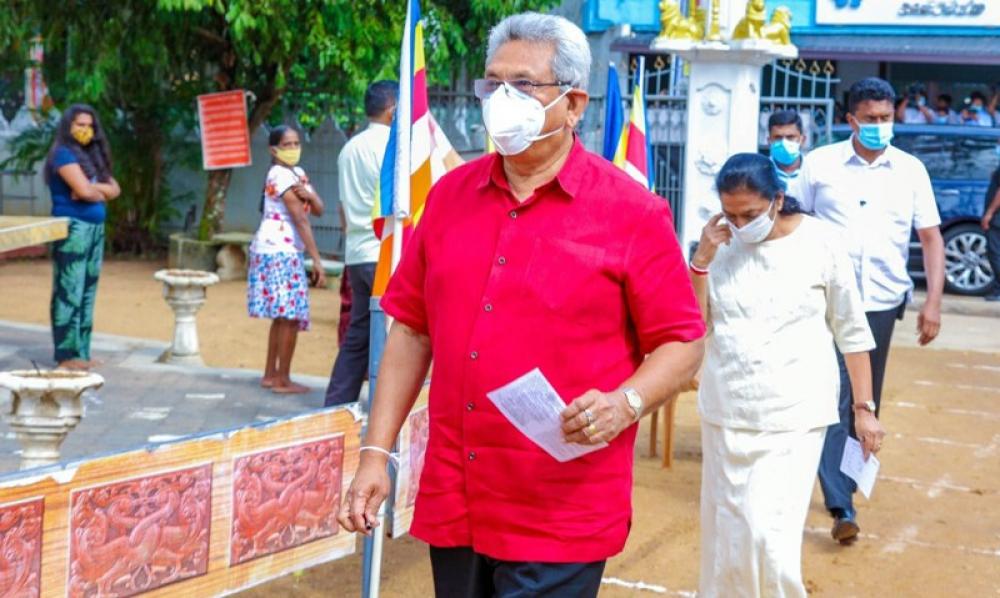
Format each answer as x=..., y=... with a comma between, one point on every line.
x=966, y=269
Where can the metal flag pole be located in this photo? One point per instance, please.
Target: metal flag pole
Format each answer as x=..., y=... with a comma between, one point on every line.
x=371, y=562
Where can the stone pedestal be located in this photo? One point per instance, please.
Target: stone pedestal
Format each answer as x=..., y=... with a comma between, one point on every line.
x=723, y=108
x=184, y=291
x=45, y=407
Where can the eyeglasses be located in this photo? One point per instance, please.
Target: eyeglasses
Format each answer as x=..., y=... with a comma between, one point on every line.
x=484, y=88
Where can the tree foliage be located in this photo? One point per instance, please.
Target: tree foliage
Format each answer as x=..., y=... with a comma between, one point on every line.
x=141, y=63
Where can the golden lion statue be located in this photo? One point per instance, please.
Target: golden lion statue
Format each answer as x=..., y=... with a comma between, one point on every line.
x=753, y=21
x=778, y=30
x=674, y=25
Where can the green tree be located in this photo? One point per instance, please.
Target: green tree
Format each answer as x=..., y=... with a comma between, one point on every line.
x=141, y=64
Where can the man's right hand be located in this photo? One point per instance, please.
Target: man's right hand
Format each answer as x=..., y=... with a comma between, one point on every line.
x=985, y=222
x=714, y=234
x=359, y=511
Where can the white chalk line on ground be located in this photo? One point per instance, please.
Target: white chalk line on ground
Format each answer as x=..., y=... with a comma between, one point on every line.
x=965, y=366
x=981, y=450
x=972, y=387
x=939, y=485
x=646, y=587
x=970, y=412
x=905, y=539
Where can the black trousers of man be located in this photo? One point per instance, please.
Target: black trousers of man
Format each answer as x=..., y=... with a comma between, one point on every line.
x=993, y=252
x=838, y=489
x=463, y=573
x=352, y=361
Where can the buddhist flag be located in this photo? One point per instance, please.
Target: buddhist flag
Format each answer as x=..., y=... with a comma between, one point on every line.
x=414, y=156
x=614, y=116
x=632, y=154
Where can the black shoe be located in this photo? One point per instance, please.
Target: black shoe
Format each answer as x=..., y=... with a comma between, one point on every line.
x=845, y=527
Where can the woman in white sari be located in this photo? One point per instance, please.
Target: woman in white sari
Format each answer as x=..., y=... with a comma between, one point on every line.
x=777, y=294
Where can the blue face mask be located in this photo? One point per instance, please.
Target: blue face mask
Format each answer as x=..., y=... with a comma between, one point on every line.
x=941, y=120
x=785, y=152
x=975, y=108
x=875, y=136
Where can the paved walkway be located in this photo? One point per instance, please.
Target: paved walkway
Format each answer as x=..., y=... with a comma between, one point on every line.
x=143, y=401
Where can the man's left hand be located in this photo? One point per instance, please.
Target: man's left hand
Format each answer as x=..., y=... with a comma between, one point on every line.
x=928, y=323
x=596, y=417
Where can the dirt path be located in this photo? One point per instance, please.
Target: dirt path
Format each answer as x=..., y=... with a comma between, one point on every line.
x=130, y=303
x=932, y=527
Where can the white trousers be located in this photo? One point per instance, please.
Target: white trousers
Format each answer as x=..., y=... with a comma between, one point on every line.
x=755, y=492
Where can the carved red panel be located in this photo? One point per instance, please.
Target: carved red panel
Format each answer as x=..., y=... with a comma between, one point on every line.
x=21, y=549
x=285, y=497
x=419, y=433
x=137, y=535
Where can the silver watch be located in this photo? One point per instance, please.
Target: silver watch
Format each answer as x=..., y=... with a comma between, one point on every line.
x=634, y=400
x=868, y=406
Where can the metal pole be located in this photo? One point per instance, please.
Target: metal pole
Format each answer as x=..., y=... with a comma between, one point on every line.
x=371, y=563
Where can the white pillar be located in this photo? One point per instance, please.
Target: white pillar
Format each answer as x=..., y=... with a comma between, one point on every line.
x=723, y=112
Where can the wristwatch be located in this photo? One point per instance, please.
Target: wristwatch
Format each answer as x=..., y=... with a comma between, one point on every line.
x=868, y=406
x=634, y=400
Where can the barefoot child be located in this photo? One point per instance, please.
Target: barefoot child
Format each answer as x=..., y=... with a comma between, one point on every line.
x=278, y=287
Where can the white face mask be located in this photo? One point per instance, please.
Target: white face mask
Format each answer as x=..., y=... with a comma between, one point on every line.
x=514, y=120
x=756, y=230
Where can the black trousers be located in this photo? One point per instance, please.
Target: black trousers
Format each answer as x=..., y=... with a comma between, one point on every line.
x=993, y=251
x=838, y=489
x=352, y=361
x=463, y=573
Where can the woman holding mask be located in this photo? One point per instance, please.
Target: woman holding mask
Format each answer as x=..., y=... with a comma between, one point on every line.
x=777, y=294
x=277, y=281
x=78, y=173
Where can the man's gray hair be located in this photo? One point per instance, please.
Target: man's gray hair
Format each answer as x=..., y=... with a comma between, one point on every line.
x=571, y=61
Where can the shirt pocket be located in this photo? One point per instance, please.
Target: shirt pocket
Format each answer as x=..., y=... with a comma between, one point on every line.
x=560, y=271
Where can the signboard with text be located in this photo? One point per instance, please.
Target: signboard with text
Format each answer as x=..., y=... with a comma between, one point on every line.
x=225, y=134
x=928, y=13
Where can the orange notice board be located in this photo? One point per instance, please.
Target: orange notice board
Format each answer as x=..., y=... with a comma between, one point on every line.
x=225, y=136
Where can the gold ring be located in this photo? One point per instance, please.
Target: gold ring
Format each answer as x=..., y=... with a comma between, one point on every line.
x=590, y=430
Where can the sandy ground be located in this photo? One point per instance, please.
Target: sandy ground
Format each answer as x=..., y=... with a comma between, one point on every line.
x=932, y=527
x=130, y=303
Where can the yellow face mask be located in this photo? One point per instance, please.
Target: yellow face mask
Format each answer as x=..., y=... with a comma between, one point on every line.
x=83, y=135
x=289, y=156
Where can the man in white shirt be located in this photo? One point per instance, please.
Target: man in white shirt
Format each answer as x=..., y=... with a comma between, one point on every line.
x=913, y=109
x=358, y=168
x=874, y=194
x=785, y=136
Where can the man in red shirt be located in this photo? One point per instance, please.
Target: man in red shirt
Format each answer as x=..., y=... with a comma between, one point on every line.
x=541, y=255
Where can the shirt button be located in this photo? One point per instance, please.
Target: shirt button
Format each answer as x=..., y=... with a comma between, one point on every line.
x=474, y=355
x=470, y=406
x=513, y=214
x=472, y=455
x=501, y=260
x=488, y=307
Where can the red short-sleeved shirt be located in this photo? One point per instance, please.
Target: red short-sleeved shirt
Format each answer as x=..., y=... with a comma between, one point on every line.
x=580, y=280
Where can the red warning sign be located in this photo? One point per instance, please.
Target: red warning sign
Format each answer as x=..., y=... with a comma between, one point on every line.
x=225, y=135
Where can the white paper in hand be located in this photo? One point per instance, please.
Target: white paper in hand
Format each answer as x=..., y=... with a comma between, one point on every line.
x=534, y=408
x=853, y=464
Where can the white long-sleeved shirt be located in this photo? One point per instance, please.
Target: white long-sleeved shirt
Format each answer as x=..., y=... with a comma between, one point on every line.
x=775, y=311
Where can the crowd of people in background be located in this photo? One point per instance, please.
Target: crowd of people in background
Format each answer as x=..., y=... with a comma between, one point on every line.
x=915, y=108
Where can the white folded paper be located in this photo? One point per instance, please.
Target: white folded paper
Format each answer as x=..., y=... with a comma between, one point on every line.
x=853, y=464
x=534, y=408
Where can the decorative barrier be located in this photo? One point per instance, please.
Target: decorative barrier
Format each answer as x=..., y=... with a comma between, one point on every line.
x=205, y=516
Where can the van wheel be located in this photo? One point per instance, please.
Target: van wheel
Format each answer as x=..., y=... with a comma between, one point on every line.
x=966, y=269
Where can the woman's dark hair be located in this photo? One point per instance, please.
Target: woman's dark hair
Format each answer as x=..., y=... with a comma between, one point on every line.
x=757, y=174
x=274, y=137
x=94, y=158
